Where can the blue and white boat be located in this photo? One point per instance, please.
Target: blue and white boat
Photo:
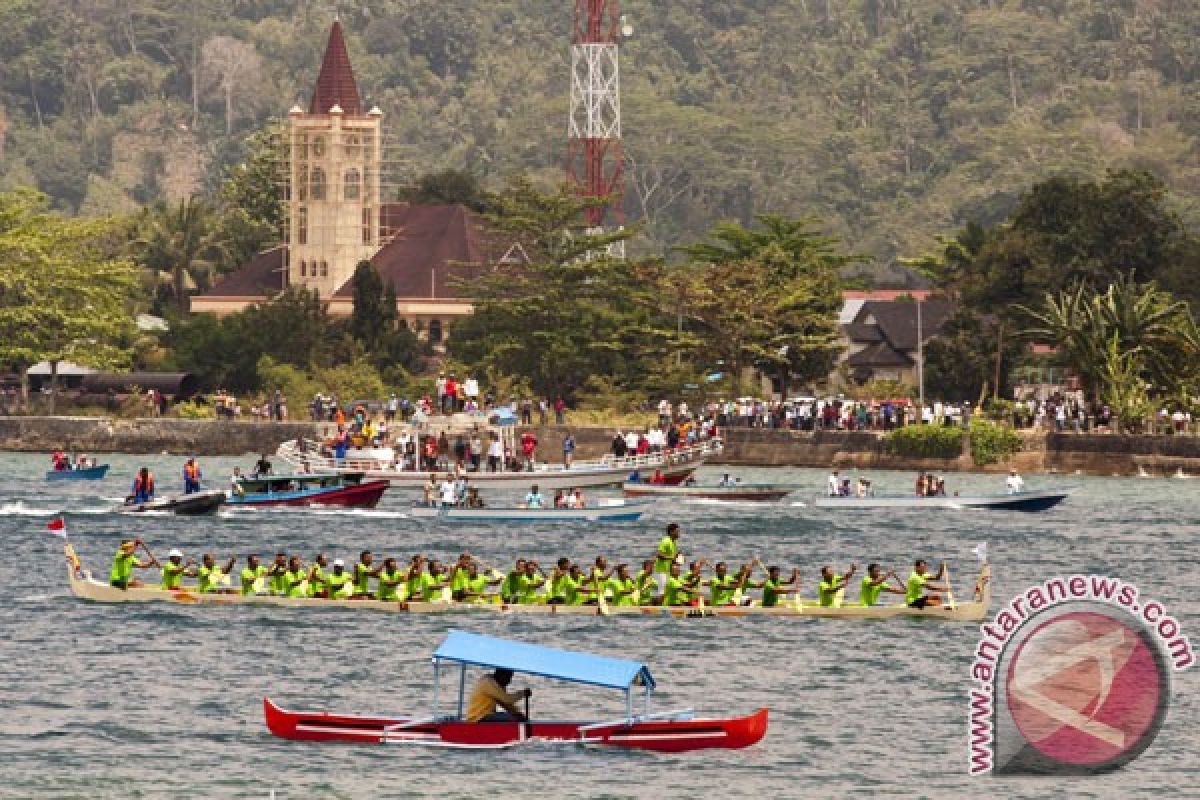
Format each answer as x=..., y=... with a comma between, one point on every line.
x=1015, y=501
x=86, y=474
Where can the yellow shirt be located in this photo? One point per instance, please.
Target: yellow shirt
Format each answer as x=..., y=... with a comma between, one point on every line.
x=486, y=695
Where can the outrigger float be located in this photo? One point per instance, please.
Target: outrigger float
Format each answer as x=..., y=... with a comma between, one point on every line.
x=666, y=732
x=308, y=489
x=379, y=463
x=1015, y=501
x=86, y=587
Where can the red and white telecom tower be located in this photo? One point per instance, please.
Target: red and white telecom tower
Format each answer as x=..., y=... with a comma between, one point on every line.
x=595, y=161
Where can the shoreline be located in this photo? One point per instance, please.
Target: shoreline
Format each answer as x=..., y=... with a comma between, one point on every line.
x=1043, y=453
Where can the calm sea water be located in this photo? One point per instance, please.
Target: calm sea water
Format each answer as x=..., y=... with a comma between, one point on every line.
x=159, y=701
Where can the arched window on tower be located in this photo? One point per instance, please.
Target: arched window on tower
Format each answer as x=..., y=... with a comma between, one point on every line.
x=317, y=183
x=366, y=225
x=435, y=331
x=302, y=183
x=302, y=225
x=324, y=269
x=368, y=187
x=353, y=184
x=303, y=268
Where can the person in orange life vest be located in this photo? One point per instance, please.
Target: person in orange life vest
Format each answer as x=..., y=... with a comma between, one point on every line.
x=340, y=442
x=191, y=476
x=143, y=487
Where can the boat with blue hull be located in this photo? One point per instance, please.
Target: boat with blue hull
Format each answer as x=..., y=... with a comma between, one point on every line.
x=622, y=512
x=95, y=473
x=1015, y=501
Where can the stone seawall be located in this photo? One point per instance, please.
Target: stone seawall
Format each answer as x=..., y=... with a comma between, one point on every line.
x=176, y=436
x=1091, y=454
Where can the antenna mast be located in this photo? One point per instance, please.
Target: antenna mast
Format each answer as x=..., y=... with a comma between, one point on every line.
x=595, y=160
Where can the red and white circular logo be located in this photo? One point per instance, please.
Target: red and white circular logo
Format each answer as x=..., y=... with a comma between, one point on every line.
x=1087, y=690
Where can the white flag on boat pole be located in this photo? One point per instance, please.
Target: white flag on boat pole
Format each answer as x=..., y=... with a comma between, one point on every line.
x=980, y=552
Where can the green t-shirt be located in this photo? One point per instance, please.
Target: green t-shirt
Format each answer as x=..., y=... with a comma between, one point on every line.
x=624, y=592
x=340, y=584
x=278, y=580
x=172, y=575
x=527, y=587
x=389, y=584
x=122, y=568
x=676, y=593
x=362, y=578
x=829, y=593
x=646, y=587
x=318, y=581
x=570, y=591
x=915, y=587
x=666, y=555
x=870, y=592
x=476, y=586
x=208, y=578
x=722, y=590
x=252, y=579
x=461, y=579
x=770, y=593
x=294, y=582
x=511, y=588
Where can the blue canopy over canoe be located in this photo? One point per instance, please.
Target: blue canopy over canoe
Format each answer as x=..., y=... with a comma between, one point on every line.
x=474, y=649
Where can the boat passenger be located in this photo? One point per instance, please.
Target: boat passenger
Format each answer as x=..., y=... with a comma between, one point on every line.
x=646, y=584
x=723, y=587
x=436, y=585
x=235, y=482
x=491, y=691
x=430, y=492
x=143, y=487
x=210, y=575
x=277, y=574
x=571, y=588
x=534, y=498
x=295, y=579
x=577, y=500
x=341, y=586
x=874, y=583
x=668, y=551
x=658, y=479
x=634, y=477
x=473, y=498
x=475, y=588
x=253, y=576
x=390, y=579
x=174, y=570
x=60, y=461
x=833, y=587
x=124, y=563
x=510, y=588
x=844, y=491
x=363, y=574
x=529, y=583
x=1014, y=484
x=940, y=489
x=318, y=579
x=560, y=501
x=558, y=583
x=920, y=582
x=835, y=484
x=773, y=588
x=448, y=492
x=726, y=481
x=677, y=591
x=458, y=574
x=262, y=467
x=191, y=476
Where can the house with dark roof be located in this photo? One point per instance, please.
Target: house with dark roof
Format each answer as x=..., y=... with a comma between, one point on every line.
x=337, y=216
x=880, y=339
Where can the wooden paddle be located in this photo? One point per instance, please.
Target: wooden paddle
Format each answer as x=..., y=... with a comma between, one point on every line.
x=153, y=560
x=601, y=600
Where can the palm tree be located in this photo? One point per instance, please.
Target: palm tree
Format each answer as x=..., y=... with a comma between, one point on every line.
x=180, y=247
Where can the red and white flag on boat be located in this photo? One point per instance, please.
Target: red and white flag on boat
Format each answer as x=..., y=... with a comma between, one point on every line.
x=58, y=527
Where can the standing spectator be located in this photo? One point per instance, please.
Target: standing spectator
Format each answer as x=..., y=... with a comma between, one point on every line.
x=476, y=450
x=450, y=401
x=495, y=454
x=568, y=450
x=560, y=411
x=542, y=409
x=281, y=408
x=460, y=450
x=389, y=412
x=529, y=445
x=441, y=391
x=526, y=411
x=618, y=445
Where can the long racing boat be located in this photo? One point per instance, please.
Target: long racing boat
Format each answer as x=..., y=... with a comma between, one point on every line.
x=667, y=732
x=379, y=464
x=1016, y=501
x=85, y=587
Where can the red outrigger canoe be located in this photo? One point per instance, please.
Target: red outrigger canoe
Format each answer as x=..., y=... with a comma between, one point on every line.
x=666, y=732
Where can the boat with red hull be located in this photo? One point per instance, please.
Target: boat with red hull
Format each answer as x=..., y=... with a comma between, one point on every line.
x=665, y=732
x=308, y=489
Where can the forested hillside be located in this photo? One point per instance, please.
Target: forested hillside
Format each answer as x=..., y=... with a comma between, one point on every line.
x=891, y=120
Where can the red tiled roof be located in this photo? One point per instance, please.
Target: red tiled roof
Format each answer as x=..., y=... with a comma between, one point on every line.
x=433, y=246
x=335, y=82
x=885, y=294
x=261, y=276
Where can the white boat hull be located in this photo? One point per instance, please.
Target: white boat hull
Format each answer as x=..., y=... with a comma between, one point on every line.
x=624, y=512
x=1019, y=501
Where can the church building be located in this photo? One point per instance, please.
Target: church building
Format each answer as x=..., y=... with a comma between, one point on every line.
x=337, y=217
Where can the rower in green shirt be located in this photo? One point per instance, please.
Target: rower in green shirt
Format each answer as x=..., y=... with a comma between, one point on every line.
x=210, y=575
x=723, y=586
x=253, y=575
x=438, y=581
x=529, y=583
x=318, y=580
x=774, y=587
x=572, y=588
x=646, y=584
x=174, y=570
x=277, y=574
x=341, y=585
x=460, y=574
x=295, y=580
x=920, y=581
x=124, y=563
x=510, y=590
x=475, y=589
x=623, y=587
x=678, y=592
x=390, y=578
x=875, y=583
x=363, y=572
x=833, y=587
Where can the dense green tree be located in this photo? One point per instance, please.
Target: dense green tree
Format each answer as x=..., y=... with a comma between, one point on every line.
x=448, y=187
x=962, y=362
x=179, y=246
x=65, y=292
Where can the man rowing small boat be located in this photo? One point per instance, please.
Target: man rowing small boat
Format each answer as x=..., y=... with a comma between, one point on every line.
x=340, y=582
x=390, y=580
x=210, y=576
x=774, y=587
x=175, y=569
x=363, y=572
x=723, y=586
x=678, y=591
x=125, y=562
x=833, y=587
x=874, y=583
x=491, y=691
x=919, y=584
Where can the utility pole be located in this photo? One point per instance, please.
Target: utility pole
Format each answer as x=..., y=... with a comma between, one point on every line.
x=920, y=366
x=595, y=158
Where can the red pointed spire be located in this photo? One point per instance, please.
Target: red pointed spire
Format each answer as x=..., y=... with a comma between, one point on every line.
x=335, y=83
